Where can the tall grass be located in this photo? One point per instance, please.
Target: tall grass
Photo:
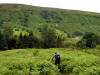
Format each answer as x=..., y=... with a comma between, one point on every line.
x=38, y=62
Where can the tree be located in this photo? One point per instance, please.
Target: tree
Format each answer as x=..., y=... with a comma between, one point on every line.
x=49, y=37
x=33, y=41
x=12, y=43
x=28, y=41
x=81, y=44
x=60, y=38
x=89, y=40
x=8, y=30
x=3, y=42
x=20, y=41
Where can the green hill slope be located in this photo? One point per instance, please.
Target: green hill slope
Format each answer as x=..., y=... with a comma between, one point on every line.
x=34, y=18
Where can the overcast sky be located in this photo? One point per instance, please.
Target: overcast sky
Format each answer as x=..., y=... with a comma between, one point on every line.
x=84, y=5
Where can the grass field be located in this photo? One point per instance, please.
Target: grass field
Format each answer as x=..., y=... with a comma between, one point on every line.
x=38, y=62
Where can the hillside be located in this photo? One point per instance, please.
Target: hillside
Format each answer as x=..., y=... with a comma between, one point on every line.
x=38, y=62
x=31, y=17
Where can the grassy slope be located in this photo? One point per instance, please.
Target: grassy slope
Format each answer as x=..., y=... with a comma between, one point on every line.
x=35, y=17
x=75, y=62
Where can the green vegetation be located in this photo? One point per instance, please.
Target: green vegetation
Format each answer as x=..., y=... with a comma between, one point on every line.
x=67, y=26
x=75, y=34
x=25, y=17
x=89, y=40
x=38, y=62
x=49, y=38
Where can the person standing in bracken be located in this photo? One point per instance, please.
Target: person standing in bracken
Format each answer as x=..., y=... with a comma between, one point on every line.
x=57, y=59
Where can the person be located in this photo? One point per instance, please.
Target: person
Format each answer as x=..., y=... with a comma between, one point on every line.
x=57, y=59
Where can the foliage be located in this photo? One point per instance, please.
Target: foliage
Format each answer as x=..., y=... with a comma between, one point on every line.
x=67, y=44
x=47, y=68
x=3, y=41
x=7, y=30
x=61, y=37
x=81, y=44
x=89, y=40
x=73, y=62
x=28, y=41
x=12, y=43
x=80, y=64
x=35, y=17
x=49, y=37
x=77, y=33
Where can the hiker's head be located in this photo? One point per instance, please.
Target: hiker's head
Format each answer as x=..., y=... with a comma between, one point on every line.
x=57, y=53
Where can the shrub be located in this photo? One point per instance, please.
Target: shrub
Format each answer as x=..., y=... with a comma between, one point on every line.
x=89, y=40
x=36, y=52
x=47, y=68
x=78, y=33
x=19, y=68
x=75, y=65
x=29, y=68
x=67, y=44
x=81, y=44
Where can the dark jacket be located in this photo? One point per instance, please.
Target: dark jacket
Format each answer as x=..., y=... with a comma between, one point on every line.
x=57, y=58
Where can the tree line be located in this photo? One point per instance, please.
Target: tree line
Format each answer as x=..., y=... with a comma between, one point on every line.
x=50, y=38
